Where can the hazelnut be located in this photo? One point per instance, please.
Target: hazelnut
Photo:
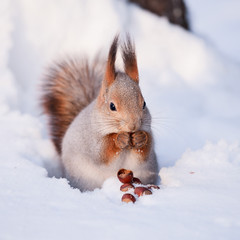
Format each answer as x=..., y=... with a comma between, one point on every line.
x=126, y=186
x=153, y=187
x=141, y=191
x=127, y=197
x=125, y=176
x=136, y=180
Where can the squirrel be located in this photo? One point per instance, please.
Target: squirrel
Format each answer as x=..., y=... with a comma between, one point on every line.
x=98, y=119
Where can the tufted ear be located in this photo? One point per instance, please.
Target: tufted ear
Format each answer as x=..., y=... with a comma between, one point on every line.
x=110, y=73
x=129, y=59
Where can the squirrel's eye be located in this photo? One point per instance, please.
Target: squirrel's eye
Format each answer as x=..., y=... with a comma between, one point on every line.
x=112, y=107
x=144, y=104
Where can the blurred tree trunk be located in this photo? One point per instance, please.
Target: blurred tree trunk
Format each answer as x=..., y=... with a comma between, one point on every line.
x=174, y=10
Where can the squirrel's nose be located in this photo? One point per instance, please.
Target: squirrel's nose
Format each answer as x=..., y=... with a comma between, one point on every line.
x=134, y=126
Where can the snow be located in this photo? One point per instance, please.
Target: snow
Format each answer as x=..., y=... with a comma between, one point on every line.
x=190, y=83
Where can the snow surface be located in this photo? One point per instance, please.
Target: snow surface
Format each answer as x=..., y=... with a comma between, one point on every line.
x=191, y=85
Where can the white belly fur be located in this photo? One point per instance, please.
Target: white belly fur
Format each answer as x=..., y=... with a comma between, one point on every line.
x=85, y=174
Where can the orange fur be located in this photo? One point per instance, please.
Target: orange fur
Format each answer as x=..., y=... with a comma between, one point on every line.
x=109, y=148
x=144, y=151
x=110, y=73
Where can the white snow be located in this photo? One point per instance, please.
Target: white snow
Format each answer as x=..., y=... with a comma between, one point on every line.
x=190, y=81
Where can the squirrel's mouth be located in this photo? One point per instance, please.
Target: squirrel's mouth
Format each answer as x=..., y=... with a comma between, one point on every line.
x=130, y=127
x=133, y=127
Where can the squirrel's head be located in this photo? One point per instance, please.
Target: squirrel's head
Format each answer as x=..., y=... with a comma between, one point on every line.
x=120, y=98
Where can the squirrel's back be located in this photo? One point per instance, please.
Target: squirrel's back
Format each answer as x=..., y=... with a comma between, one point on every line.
x=69, y=86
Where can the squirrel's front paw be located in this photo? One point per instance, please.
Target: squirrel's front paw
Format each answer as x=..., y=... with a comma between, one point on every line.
x=122, y=140
x=139, y=139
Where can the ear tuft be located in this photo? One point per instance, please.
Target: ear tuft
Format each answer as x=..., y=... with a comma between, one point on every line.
x=110, y=69
x=129, y=59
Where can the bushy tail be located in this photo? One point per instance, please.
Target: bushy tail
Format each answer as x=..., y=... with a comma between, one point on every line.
x=69, y=86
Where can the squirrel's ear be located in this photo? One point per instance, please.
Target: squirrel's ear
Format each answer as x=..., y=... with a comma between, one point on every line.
x=129, y=59
x=110, y=73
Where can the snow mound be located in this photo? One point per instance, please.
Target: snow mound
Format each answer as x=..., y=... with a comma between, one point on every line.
x=203, y=204
x=215, y=165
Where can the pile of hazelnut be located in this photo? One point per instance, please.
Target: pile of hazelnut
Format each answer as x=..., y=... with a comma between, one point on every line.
x=132, y=183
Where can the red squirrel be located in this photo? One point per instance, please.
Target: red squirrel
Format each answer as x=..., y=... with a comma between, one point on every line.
x=98, y=119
